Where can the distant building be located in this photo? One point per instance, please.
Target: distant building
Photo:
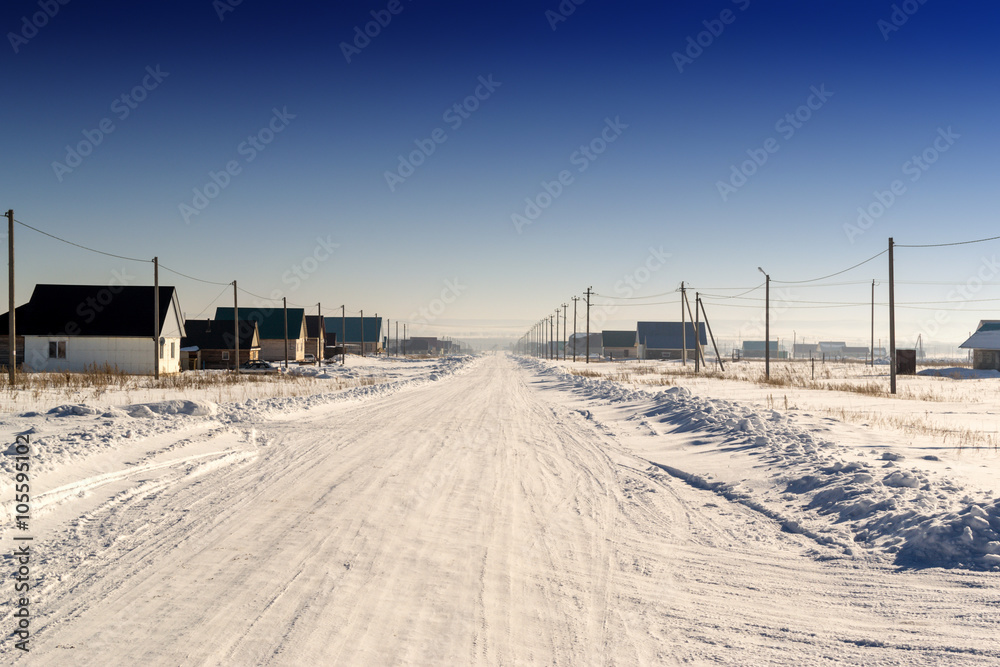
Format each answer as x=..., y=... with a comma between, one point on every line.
x=805, y=351
x=211, y=343
x=370, y=333
x=619, y=344
x=985, y=345
x=667, y=340
x=81, y=327
x=578, y=343
x=315, y=336
x=271, y=325
x=754, y=349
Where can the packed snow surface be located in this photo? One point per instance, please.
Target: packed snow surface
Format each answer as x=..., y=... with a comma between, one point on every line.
x=495, y=510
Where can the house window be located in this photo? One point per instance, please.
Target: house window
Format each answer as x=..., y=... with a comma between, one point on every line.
x=57, y=349
x=162, y=344
x=225, y=355
x=173, y=350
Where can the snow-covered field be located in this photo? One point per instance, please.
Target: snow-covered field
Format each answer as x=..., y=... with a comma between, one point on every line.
x=502, y=510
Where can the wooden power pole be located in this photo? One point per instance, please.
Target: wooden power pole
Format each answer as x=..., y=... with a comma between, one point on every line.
x=11, y=328
x=236, y=328
x=588, y=323
x=156, y=318
x=892, y=324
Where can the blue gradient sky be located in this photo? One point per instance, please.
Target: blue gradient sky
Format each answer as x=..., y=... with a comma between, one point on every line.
x=656, y=185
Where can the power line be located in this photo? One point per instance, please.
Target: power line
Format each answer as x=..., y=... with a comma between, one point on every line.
x=224, y=290
x=799, y=282
x=99, y=252
x=630, y=305
x=942, y=245
x=200, y=280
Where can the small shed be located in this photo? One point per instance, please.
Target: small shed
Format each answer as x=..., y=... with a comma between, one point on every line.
x=210, y=343
x=985, y=346
x=619, y=344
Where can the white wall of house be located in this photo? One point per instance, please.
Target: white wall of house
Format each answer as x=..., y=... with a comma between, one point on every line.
x=128, y=355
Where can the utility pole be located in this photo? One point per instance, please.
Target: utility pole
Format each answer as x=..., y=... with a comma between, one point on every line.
x=555, y=350
x=397, y=338
x=156, y=318
x=588, y=323
x=320, y=334
x=565, y=341
x=11, y=328
x=284, y=305
x=575, y=299
x=343, y=333
x=362, y=333
x=892, y=324
x=236, y=328
x=684, y=345
x=873, y=323
x=697, y=338
x=714, y=345
x=767, y=324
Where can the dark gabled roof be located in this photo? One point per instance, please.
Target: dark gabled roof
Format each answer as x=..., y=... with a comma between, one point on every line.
x=219, y=334
x=270, y=321
x=373, y=325
x=314, y=324
x=115, y=311
x=617, y=339
x=667, y=335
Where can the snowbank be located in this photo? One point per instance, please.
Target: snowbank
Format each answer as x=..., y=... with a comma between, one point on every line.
x=879, y=503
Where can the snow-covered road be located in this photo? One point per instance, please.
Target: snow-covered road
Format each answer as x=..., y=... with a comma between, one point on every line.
x=478, y=519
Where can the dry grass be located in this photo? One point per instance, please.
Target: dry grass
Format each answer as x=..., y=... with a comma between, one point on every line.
x=32, y=389
x=960, y=438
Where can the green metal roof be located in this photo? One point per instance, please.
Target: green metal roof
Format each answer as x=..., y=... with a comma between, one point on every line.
x=270, y=321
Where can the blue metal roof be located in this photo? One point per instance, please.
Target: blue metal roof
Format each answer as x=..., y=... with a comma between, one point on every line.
x=667, y=335
x=335, y=325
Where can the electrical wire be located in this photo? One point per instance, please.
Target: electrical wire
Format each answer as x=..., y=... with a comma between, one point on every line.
x=943, y=245
x=200, y=280
x=99, y=252
x=224, y=290
x=799, y=282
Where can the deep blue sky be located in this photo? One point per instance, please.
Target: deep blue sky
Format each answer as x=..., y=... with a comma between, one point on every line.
x=656, y=185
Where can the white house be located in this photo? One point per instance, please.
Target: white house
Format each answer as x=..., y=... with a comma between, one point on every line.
x=985, y=345
x=80, y=327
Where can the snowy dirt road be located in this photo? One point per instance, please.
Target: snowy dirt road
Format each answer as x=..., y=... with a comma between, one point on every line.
x=477, y=520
